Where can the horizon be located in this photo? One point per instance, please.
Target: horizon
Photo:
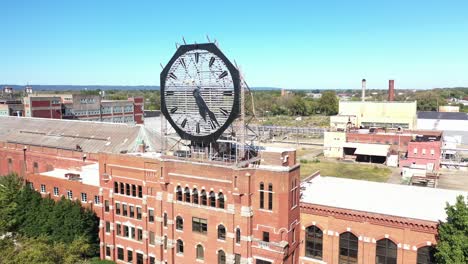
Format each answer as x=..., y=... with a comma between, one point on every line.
x=303, y=45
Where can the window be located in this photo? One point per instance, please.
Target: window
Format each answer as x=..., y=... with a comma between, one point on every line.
x=179, y=223
x=107, y=207
x=152, y=260
x=35, y=167
x=129, y=255
x=140, y=191
x=108, y=251
x=132, y=234
x=108, y=227
x=127, y=188
x=293, y=235
x=31, y=185
x=200, y=252
x=119, y=229
x=238, y=236
x=132, y=211
x=124, y=209
x=133, y=190
x=212, y=199
x=116, y=187
x=195, y=196
x=84, y=197
x=138, y=213
x=56, y=191
x=221, y=257
x=426, y=255
x=237, y=258
x=266, y=236
x=97, y=199
x=424, y=151
x=262, y=195
x=180, y=247
x=386, y=252
x=122, y=188
x=221, y=200
x=165, y=242
x=270, y=196
x=70, y=194
x=199, y=225
x=313, y=244
x=261, y=261
x=415, y=151
x=139, y=234
x=126, y=231
x=10, y=165
x=187, y=195
x=348, y=248
x=151, y=238
x=203, y=197
x=165, y=219
x=117, y=208
x=432, y=152
x=120, y=254
x=43, y=188
x=139, y=258
x=179, y=193
x=150, y=215
x=221, y=232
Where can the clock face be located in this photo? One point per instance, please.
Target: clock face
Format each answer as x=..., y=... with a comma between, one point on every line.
x=200, y=92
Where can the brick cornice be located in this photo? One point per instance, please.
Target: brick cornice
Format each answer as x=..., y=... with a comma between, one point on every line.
x=373, y=218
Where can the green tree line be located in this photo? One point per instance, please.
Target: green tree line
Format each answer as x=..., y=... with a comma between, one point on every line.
x=41, y=230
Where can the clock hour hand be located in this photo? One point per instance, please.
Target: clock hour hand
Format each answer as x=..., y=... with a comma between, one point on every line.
x=202, y=107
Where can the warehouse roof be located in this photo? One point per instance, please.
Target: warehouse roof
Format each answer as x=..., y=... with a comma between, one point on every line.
x=443, y=115
x=383, y=198
x=91, y=137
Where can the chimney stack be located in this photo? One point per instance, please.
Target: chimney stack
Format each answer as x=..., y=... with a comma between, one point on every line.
x=391, y=90
x=363, y=97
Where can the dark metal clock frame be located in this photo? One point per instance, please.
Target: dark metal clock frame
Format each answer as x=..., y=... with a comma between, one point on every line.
x=210, y=47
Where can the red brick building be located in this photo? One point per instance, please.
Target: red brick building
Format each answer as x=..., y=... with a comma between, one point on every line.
x=160, y=209
x=368, y=222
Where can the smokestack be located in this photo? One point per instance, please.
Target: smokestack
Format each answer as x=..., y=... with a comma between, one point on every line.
x=363, y=98
x=391, y=90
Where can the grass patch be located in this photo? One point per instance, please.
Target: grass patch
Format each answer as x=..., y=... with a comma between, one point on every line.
x=357, y=171
x=306, y=121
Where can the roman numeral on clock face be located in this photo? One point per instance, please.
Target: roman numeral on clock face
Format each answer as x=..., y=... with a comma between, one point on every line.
x=224, y=111
x=184, y=123
x=198, y=128
x=223, y=74
x=174, y=109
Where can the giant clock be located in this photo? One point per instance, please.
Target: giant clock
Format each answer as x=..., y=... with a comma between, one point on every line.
x=200, y=92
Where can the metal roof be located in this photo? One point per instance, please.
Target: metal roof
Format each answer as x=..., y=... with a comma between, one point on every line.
x=92, y=137
x=443, y=115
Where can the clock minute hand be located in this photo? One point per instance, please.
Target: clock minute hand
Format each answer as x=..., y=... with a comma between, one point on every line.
x=202, y=107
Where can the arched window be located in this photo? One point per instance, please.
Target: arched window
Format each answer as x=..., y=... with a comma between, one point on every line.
x=314, y=242
x=212, y=199
x=426, y=255
x=348, y=248
x=203, y=197
x=221, y=232
x=386, y=252
x=35, y=167
x=270, y=196
x=238, y=236
x=200, y=252
x=165, y=219
x=179, y=223
x=221, y=257
x=195, y=196
x=262, y=195
x=180, y=247
x=187, y=194
x=179, y=193
x=221, y=200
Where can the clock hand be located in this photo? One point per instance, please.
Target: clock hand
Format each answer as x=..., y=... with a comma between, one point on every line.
x=202, y=107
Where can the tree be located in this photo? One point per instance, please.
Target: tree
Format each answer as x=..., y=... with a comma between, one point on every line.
x=328, y=103
x=428, y=101
x=452, y=245
x=9, y=188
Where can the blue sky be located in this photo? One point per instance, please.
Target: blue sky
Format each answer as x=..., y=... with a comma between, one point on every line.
x=292, y=44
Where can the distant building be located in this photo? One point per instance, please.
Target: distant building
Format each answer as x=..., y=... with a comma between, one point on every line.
x=353, y=221
x=454, y=125
x=375, y=114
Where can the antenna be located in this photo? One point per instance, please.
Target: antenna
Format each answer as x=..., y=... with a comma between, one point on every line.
x=177, y=45
x=208, y=38
x=162, y=67
x=183, y=39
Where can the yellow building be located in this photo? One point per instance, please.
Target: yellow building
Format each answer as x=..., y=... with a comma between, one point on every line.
x=376, y=114
x=333, y=144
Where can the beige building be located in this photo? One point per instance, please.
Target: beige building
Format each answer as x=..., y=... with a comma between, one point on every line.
x=375, y=114
x=333, y=144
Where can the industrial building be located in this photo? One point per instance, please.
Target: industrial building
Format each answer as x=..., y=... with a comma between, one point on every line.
x=453, y=124
x=354, y=221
